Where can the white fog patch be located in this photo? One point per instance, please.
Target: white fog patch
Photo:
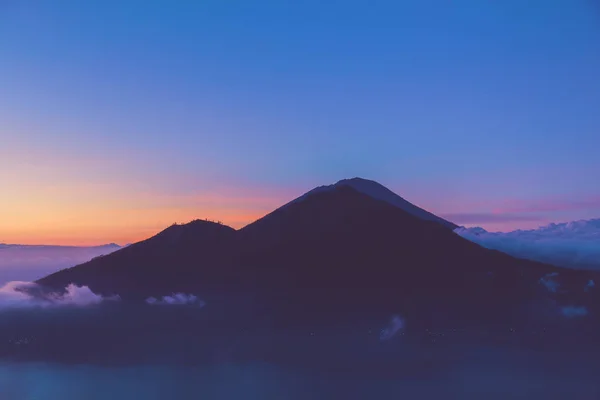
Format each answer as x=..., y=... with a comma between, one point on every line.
x=12, y=294
x=590, y=285
x=396, y=325
x=19, y=294
x=574, y=311
x=176, y=299
x=81, y=296
x=550, y=283
x=574, y=244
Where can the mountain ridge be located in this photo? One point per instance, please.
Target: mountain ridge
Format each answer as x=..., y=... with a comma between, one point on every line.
x=334, y=251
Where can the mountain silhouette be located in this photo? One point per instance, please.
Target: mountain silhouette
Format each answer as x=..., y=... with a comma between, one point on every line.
x=169, y=261
x=335, y=252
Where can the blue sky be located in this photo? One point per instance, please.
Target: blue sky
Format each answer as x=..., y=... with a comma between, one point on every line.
x=482, y=111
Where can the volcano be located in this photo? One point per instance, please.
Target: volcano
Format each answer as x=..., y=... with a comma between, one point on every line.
x=349, y=249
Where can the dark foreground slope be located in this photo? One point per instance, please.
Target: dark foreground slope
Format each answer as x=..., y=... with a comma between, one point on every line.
x=335, y=254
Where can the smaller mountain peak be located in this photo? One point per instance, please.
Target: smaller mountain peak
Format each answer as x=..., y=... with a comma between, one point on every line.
x=197, y=222
x=197, y=227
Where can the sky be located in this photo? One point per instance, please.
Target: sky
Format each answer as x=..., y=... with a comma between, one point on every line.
x=118, y=118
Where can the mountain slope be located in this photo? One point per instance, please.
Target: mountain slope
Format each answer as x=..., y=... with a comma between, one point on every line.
x=168, y=261
x=341, y=249
x=336, y=254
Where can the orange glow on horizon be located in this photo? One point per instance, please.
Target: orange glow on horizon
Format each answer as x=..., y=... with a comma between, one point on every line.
x=95, y=233
x=94, y=215
x=59, y=198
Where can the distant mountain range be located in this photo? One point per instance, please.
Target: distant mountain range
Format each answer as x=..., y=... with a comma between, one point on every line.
x=29, y=262
x=110, y=247
x=340, y=251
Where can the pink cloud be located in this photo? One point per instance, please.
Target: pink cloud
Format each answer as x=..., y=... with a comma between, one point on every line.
x=486, y=218
x=523, y=214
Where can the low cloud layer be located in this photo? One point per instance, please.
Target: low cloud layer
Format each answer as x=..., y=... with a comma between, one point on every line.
x=573, y=244
x=177, y=299
x=31, y=295
x=549, y=281
x=21, y=262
